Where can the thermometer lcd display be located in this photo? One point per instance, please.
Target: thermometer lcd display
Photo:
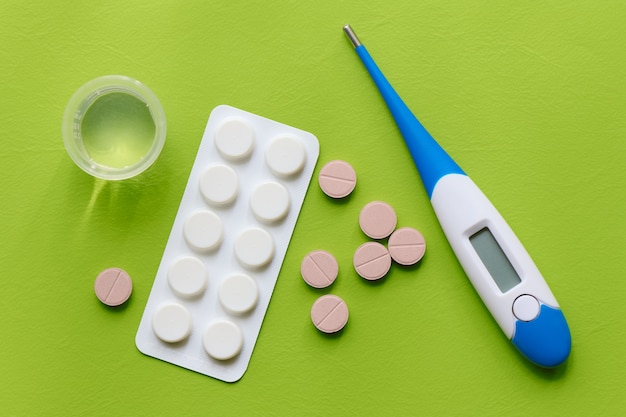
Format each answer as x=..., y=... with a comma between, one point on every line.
x=495, y=260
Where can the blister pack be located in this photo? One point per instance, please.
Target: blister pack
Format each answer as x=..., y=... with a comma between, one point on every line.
x=227, y=243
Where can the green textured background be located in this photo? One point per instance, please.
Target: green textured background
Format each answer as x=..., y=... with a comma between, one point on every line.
x=529, y=98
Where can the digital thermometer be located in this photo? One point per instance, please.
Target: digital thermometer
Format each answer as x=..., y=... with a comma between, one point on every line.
x=493, y=258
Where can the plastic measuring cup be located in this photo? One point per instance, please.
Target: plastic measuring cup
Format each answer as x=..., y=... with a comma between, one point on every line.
x=114, y=127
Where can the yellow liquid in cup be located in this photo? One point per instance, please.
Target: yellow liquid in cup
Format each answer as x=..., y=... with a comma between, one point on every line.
x=117, y=130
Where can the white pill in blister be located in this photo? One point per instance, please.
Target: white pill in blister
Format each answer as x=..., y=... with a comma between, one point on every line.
x=171, y=323
x=285, y=156
x=254, y=248
x=238, y=294
x=203, y=231
x=234, y=139
x=222, y=340
x=187, y=277
x=219, y=185
x=270, y=202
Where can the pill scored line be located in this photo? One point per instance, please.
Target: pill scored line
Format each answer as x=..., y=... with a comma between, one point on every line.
x=384, y=255
x=417, y=245
x=346, y=180
x=320, y=269
x=339, y=302
x=117, y=278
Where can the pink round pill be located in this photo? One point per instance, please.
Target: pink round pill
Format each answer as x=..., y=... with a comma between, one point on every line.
x=377, y=219
x=337, y=179
x=113, y=286
x=407, y=246
x=372, y=261
x=329, y=313
x=319, y=269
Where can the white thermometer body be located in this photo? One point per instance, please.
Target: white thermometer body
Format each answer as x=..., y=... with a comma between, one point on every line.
x=495, y=261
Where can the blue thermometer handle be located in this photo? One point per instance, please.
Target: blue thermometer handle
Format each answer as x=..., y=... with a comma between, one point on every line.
x=497, y=264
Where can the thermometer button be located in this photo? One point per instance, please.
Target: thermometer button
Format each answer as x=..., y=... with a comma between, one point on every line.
x=526, y=307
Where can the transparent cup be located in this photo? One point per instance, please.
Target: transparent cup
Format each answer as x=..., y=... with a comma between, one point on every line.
x=114, y=127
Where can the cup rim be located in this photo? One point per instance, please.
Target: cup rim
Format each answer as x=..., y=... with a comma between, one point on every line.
x=78, y=106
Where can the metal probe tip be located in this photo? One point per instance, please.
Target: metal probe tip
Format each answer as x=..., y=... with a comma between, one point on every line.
x=352, y=36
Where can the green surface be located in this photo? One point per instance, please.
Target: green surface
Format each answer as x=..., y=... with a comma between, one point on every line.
x=528, y=98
